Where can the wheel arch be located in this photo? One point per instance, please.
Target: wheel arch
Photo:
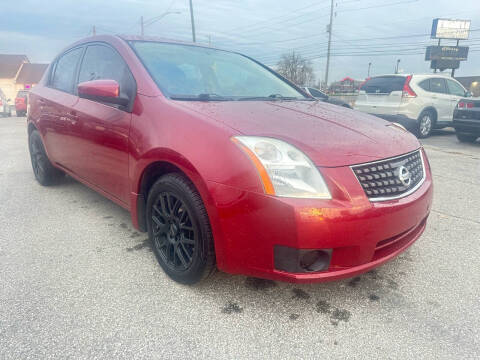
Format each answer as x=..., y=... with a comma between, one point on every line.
x=154, y=169
x=31, y=127
x=433, y=110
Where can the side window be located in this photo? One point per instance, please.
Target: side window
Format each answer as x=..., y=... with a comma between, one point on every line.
x=102, y=62
x=455, y=89
x=65, y=68
x=425, y=85
x=438, y=86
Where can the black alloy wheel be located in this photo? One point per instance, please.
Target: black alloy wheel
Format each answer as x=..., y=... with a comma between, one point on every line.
x=179, y=229
x=173, y=231
x=45, y=173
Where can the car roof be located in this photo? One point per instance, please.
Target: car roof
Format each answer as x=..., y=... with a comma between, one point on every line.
x=127, y=38
x=415, y=74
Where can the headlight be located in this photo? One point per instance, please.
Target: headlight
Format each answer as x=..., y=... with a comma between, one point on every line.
x=283, y=169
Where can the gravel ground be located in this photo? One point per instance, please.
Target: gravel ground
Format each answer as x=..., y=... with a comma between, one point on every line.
x=77, y=281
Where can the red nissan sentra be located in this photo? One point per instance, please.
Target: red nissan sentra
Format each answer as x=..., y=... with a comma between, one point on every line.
x=227, y=164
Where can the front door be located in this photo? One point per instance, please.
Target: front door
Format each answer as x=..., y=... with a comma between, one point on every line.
x=456, y=92
x=103, y=129
x=441, y=99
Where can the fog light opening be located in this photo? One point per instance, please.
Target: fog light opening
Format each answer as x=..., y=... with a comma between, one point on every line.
x=315, y=260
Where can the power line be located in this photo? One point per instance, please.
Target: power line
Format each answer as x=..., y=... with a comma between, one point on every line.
x=379, y=6
x=255, y=25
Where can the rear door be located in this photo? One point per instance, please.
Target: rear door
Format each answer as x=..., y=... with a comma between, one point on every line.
x=55, y=106
x=441, y=99
x=102, y=131
x=381, y=94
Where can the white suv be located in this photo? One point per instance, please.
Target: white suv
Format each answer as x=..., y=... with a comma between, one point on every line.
x=419, y=102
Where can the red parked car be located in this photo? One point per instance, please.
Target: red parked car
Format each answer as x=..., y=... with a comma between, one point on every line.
x=227, y=164
x=21, y=103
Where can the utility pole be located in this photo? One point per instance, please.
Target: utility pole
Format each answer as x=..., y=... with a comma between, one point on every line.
x=396, y=67
x=193, y=21
x=94, y=32
x=369, y=66
x=141, y=26
x=330, y=28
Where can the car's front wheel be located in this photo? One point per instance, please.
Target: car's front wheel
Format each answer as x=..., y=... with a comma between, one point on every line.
x=179, y=229
x=45, y=173
x=466, y=137
x=425, y=124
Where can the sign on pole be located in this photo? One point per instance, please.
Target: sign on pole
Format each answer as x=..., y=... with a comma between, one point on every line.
x=450, y=29
x=446, y=53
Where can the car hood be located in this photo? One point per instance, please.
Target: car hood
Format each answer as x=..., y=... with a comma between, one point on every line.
x=330, y=135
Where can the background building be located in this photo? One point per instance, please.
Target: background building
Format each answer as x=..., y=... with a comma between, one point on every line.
x=17, y=73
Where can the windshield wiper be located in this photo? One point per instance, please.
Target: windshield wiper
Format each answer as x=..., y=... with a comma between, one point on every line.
x=271, y=97
x=202, y=97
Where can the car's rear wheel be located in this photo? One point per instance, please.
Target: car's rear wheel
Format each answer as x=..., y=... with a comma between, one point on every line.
x=45, y=173
x=466, y=137
x=179, y=229
x=426, y=121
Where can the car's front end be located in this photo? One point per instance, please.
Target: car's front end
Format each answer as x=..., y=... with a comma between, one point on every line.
x=370, y=217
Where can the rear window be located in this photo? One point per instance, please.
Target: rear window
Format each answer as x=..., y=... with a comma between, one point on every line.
x=384, y=84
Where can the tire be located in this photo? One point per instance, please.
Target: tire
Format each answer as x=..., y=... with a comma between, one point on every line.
x=45, y=173
x=179, y=229
x=466, y=137
x=426, y=121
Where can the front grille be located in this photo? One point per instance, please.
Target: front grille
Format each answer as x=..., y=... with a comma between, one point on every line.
x=391, y=178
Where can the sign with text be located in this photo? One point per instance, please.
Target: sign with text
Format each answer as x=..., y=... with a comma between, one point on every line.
x=444, y=64
x=459, y=53
x=450, y=29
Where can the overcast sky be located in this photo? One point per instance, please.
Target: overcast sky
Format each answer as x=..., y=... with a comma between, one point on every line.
x=364, y=31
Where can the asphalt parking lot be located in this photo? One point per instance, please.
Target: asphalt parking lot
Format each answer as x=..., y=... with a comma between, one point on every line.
x=77, y=281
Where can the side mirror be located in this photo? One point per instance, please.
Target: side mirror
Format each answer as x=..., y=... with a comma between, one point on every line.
x=106, y=91
x=468, y=94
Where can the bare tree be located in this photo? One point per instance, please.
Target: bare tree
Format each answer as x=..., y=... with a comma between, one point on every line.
x=297, y=69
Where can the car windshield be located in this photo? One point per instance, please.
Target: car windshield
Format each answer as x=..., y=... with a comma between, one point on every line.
x=185, y=72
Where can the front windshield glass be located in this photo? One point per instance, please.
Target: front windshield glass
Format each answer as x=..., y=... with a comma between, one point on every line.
x=187, y=72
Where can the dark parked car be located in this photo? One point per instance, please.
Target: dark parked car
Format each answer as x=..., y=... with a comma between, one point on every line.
x=320, y=95
x=466, y=119
x=226, y=164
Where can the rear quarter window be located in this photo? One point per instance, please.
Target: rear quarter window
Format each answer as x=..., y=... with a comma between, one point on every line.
x=384, y=84
x=425, y=85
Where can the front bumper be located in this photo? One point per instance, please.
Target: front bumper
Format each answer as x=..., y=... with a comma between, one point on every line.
x=362, y=234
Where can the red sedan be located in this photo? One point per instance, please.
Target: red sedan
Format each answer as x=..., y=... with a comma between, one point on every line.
x=227, y=164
